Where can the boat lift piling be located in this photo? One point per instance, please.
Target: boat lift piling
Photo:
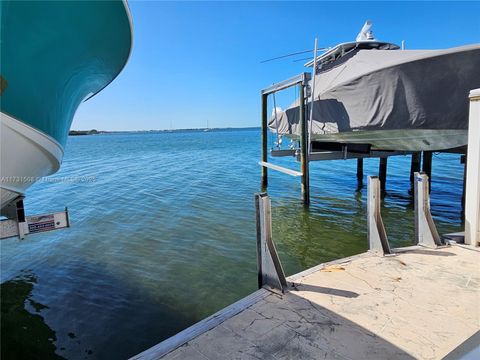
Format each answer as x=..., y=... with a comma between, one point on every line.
x=382, y=172
x=463, y=160
x=427, y=167
x=414, y=166
x=304, y=150
x=360, y=171
x=264, y=182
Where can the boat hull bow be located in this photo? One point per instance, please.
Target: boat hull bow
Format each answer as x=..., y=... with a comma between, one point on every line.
x=69, y=51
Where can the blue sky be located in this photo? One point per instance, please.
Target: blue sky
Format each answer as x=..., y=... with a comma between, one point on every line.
x=194, y=62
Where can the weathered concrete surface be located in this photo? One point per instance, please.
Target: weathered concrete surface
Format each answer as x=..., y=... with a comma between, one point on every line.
x=419, y=304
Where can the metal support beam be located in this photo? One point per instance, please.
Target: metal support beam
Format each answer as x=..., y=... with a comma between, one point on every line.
x=264, y=181
x=377, y=236
x=282, y=153
x=270, y=271
x=472, y=203
x=22, y=225
x=280, y=168
x=382, y=172
x=304, y=148
x=342, y=155
x=297, y=79
x=21, y=221
x=426, y=233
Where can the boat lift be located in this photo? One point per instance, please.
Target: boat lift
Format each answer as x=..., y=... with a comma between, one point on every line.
x=301, y=81
x=308, y=149
x=17, y=224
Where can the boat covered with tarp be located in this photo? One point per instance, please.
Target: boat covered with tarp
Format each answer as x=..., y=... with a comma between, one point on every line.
x=374, y=93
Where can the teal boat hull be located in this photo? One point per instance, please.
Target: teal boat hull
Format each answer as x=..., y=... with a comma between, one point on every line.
x=56, y=54
x=53, y=56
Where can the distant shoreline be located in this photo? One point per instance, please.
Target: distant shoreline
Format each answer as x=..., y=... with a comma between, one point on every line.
x=97, y=132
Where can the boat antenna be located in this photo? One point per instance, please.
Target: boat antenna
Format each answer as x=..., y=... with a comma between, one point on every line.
x=365, y=33
x=291, y=54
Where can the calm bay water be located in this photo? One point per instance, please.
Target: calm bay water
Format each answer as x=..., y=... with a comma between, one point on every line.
x=163, y=234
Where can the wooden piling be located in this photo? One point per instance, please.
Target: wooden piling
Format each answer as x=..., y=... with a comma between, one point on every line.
x=382, y=172
x=304, y=149
x=360, y=170
x=414, y=166
x=264, y=181
x=427, y=167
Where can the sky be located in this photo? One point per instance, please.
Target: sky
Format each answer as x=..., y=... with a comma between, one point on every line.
x=195, y=63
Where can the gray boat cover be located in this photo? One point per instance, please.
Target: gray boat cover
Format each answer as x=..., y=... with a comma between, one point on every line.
x=389, y=90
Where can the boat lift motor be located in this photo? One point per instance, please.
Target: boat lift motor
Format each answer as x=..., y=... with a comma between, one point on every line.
x=18, y=225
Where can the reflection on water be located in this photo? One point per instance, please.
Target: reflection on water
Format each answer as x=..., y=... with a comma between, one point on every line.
x=306, y=239
x=166, y=234
x=24, y=334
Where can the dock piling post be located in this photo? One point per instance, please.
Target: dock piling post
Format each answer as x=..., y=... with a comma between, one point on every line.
x=382, y=172
x=360, y=170
x=463, y=160
x=270, y=270
x=426, y=233
x=264, y=182
x=304, y=148
x=472, y=188
x=414, y=167
x=377, y=236
x=427, y=167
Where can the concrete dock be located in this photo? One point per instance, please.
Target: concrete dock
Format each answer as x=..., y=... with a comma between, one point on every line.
x=417, y=304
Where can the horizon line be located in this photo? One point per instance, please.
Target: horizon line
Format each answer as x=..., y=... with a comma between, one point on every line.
x=163, y=130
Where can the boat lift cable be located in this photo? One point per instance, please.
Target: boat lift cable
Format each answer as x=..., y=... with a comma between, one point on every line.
x=291, y=54
x=302, y=59
x=284, y=56
x=309, y=58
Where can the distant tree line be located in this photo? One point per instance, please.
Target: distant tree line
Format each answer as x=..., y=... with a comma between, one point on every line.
x=83, y=132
